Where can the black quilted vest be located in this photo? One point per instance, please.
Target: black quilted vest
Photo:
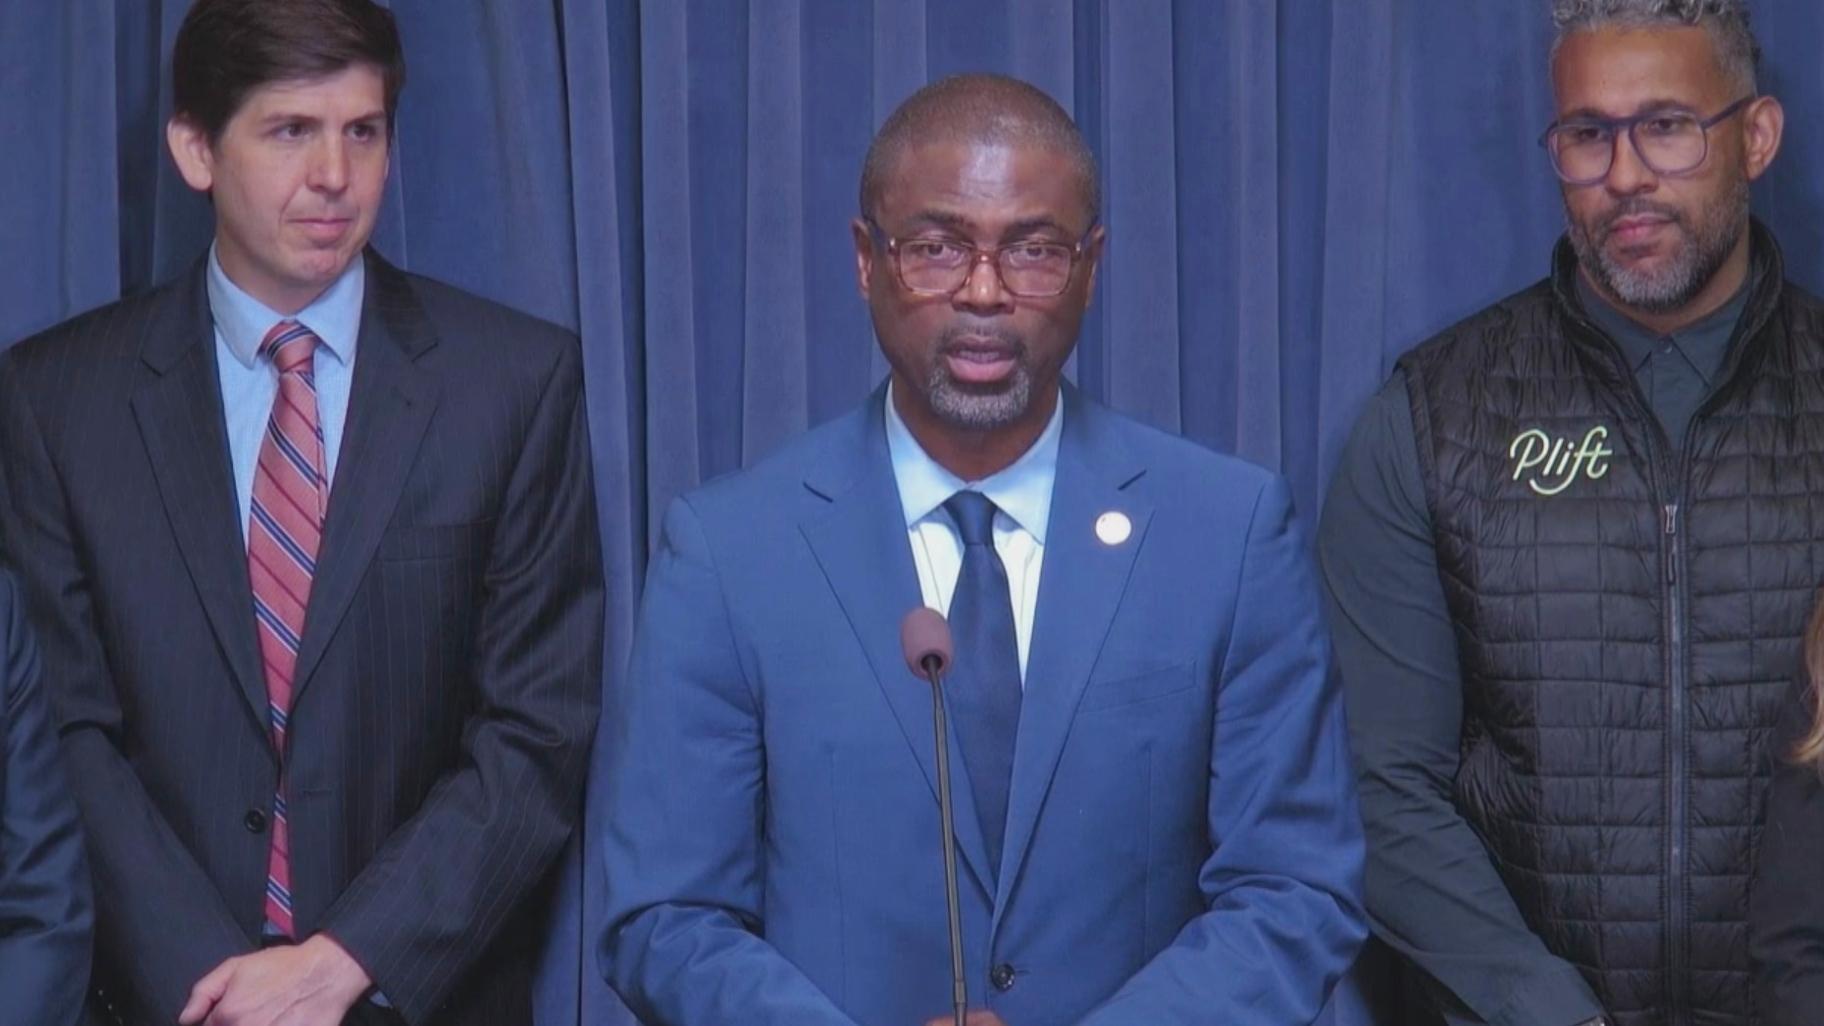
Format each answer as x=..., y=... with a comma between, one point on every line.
x=1627, y=619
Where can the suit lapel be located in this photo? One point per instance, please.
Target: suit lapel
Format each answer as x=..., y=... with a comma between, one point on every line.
x=389, y=406
x=861, y=544
x=178, y=408
x=1080, y=588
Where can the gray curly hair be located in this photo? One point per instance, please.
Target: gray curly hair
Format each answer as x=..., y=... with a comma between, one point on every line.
x=1726, y=20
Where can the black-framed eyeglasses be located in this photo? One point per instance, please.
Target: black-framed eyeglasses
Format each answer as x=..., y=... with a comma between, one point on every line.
x=935, y=264
x=1669, y=142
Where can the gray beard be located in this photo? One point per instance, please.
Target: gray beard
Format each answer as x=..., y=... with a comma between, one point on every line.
x=962, y=407
x=1705, y=249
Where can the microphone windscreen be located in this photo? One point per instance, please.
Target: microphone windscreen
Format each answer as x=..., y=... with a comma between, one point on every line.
x=924, y=634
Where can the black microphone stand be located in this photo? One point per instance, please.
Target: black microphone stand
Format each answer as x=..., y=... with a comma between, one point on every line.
x=959, y=988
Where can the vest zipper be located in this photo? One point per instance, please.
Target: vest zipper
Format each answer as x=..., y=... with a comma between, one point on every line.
x=1668, y=478
x=1677, y=784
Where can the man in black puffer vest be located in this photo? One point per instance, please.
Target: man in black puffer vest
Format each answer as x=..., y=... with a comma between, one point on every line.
x=1570, y=552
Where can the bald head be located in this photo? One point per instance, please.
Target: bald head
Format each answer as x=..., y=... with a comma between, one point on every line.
x=978, y=108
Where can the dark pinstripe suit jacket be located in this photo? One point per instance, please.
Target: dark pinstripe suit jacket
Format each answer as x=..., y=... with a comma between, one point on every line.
x=448, y=679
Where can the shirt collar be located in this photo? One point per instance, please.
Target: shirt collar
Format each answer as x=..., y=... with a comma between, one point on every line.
x=1022, y=490
x=243, y=321
x=1703, y=344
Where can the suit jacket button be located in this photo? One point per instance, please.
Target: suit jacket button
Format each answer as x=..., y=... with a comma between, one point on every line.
x=1002, y=977
x=255, y=821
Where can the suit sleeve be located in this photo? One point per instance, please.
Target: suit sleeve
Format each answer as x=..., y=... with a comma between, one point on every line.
x=447, y=881
x=163, y=925
x=45, y=911
x=1433, y=893
x=682, y=846
x=1786, y=910
x=1283, y=882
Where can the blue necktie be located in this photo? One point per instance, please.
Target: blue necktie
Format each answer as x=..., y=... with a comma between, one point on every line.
x=984, y=681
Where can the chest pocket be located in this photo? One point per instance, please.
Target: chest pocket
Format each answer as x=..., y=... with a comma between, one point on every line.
x=1132, y=689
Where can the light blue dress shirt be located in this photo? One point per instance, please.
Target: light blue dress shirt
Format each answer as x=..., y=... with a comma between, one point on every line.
x=249, y=381
x=1022, y=494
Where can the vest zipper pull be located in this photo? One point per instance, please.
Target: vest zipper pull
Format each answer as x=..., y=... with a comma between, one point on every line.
x=1671, y=524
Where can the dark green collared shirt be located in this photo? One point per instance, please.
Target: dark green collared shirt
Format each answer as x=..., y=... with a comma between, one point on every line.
x=1675, y=372
x=1398, y=653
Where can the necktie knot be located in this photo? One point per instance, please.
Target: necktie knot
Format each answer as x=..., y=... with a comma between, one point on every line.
x=290, y=345
x=974, y=516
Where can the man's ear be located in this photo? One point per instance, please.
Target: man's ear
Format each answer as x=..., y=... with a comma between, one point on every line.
x=1763, y=125
x=1092, y=255
x=193, y=152
x=864, y=254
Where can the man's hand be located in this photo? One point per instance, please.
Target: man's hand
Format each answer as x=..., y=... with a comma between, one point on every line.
x=310, y=984
x=973, y=1019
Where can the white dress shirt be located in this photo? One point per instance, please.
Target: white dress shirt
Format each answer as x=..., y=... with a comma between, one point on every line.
x=1022, y=495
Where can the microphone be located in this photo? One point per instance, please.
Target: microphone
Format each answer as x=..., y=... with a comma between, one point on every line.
x=924, y=637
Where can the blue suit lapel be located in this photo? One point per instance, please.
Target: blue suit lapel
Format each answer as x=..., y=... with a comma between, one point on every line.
x=1079, y=591
x=860, y=543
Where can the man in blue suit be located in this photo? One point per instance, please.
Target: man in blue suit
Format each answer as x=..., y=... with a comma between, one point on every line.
x=45, y=913
x=1155, y=817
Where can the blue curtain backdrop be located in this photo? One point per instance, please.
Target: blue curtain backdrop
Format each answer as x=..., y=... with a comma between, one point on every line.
x=1297, y=192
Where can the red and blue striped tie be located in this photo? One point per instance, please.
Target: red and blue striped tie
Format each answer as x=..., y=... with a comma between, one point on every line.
x=284, y=532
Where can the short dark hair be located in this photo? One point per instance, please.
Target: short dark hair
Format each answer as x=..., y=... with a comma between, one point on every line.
x=228, y=48
x=978, y=108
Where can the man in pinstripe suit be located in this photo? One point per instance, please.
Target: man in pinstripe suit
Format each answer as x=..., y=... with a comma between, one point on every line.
x=313, y=545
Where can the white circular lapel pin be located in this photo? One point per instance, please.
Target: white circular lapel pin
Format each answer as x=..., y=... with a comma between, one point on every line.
x=1113, y=527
